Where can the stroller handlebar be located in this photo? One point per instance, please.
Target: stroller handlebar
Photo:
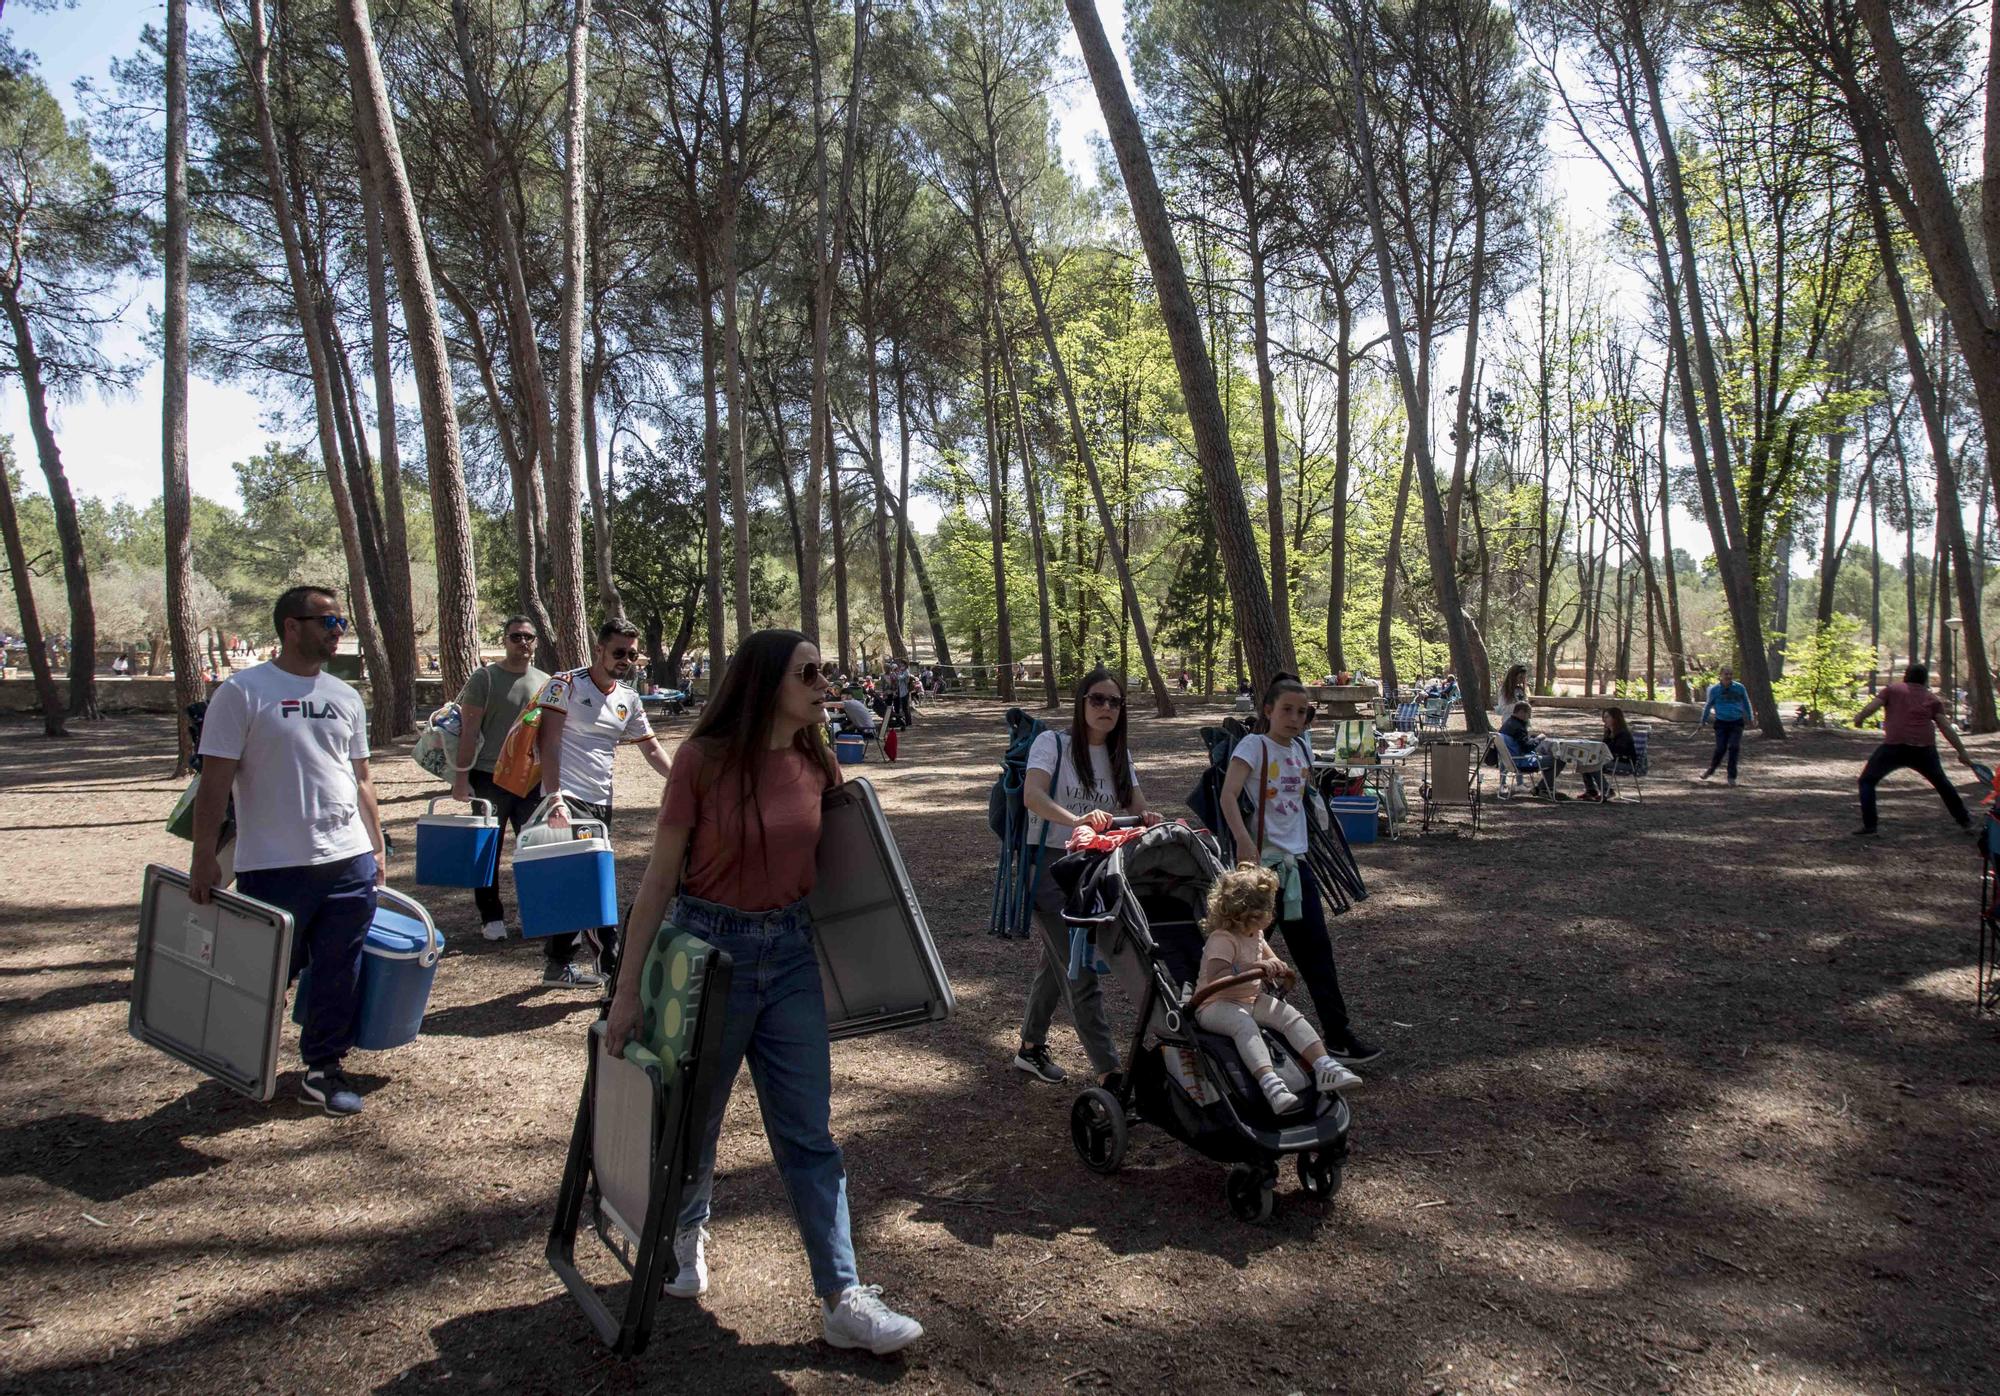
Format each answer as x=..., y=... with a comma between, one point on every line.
x=1228, y=981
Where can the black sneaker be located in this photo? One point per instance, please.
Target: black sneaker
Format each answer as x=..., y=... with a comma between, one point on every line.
x=571, y=976
x=331, y=1091
x=1866, y=833
x=1353, y=1051
x=1038, y=1064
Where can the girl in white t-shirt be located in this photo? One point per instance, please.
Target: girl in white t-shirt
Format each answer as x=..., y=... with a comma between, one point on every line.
x=1277, y=835
x=1082, y=776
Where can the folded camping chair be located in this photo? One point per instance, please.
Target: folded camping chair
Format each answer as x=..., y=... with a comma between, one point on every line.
x=636, y=1148
x=1406, y=717
x=1636, y=767
x=1453, y=779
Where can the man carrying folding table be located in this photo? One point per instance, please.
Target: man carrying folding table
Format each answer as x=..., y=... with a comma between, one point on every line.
x=291, y=741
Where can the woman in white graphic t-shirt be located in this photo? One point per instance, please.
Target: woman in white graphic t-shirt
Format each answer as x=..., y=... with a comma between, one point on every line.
x=1280, y=763
x=1082, y=776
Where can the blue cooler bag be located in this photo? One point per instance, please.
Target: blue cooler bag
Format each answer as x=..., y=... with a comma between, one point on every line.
x=458, y=850
x=1357, y=815
x=564, y=878
x=398, y=964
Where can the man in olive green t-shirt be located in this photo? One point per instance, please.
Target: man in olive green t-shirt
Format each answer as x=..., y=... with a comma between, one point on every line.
x=488, y=708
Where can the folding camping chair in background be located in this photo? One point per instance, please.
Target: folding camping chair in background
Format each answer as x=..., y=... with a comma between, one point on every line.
x=1453, y=779
x=1436, y=713
x=636, y=1148
x=1407, y=717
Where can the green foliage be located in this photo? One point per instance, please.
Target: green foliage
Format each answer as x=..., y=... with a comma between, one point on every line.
x=1823, y=668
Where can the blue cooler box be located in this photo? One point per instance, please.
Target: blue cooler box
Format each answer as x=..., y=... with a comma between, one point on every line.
x=566, y=885
x=850, y=750
x=458, y=850
x=1358, y=815
x=398, y=965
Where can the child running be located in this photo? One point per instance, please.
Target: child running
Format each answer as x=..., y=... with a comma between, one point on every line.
x=1241, y=906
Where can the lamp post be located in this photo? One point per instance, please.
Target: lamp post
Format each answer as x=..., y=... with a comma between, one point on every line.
x=1954, y=624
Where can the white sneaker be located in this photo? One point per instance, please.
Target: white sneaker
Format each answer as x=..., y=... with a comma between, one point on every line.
x=1330, y=1076
x=494, y=930
x=1282, y=1100
x=859, y=1319
x=691, y=1280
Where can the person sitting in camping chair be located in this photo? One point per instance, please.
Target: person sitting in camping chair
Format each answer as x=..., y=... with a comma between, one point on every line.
x=1524, y=747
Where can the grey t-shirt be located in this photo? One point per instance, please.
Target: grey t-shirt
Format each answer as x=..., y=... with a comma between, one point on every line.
x=502, y=696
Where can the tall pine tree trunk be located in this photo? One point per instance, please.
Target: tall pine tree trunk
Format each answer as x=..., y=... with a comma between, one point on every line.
x=46, y=691
x=176, y=497
x=565, y=492
x=451, y=517
x=1255, y=619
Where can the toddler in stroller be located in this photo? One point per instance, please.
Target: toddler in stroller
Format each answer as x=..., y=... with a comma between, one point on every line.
x=1241, y=980
x=1143, y=906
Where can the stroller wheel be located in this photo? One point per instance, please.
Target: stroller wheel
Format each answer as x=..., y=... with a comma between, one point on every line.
x=1250, y=1192
x=1319, y=1175
x=1097, y=1128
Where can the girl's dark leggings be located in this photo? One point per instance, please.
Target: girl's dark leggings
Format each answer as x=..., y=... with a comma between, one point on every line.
x=1312, y=949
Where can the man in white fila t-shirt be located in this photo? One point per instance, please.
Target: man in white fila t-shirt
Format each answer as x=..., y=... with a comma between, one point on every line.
x=292, y=741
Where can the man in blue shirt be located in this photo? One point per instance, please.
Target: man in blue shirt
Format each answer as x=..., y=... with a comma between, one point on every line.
x=1729, y=704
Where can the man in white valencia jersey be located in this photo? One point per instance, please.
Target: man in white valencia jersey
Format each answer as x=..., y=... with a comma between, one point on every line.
x=586, y=714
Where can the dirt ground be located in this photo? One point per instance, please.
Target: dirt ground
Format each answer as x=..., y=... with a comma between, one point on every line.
x=1682, y=1094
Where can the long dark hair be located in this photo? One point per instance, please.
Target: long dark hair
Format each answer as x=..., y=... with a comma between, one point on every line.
x=734, y=729
x=1616, y=717
x=1515, y=682
x=1279, y=685
x=1114, y=740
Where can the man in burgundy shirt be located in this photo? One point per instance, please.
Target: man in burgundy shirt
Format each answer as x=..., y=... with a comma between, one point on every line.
x=1912, y=716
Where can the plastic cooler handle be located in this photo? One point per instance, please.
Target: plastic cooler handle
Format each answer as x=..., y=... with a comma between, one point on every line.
x=483, y=808
x=434, y=946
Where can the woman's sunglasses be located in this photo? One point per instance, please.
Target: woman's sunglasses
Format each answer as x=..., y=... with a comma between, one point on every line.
x=1105, y=700
x=810, y=674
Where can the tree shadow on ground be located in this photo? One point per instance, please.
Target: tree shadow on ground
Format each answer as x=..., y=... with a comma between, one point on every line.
x=687, y=1339
x=105, y=1160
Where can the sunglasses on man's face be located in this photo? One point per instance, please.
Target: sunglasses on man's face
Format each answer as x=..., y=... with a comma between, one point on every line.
x=334, y=624
x=521, y=637
x=627, y=653
x=1106, y=700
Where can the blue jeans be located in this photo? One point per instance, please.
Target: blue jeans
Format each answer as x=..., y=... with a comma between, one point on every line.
x=776, y=1016
x=332, y=906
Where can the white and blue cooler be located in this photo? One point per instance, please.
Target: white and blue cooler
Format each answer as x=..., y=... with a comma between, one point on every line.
x=398, y=965
x=458, y=850
x=565, y=879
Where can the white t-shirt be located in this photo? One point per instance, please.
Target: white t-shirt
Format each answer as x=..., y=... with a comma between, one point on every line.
x=296, y=739
x=1285, y=772
x=1051, y=753
x=594, y=723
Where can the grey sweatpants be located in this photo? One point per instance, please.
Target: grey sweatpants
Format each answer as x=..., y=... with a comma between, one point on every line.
x=1053, y=985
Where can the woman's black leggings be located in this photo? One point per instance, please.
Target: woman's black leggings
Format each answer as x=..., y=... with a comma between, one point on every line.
x=1312, y=949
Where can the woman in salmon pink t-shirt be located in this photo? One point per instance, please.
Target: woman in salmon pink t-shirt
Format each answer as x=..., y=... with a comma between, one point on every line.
x=733, y=856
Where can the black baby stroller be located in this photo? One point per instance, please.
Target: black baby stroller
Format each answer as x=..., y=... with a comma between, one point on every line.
x=1143, y=905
